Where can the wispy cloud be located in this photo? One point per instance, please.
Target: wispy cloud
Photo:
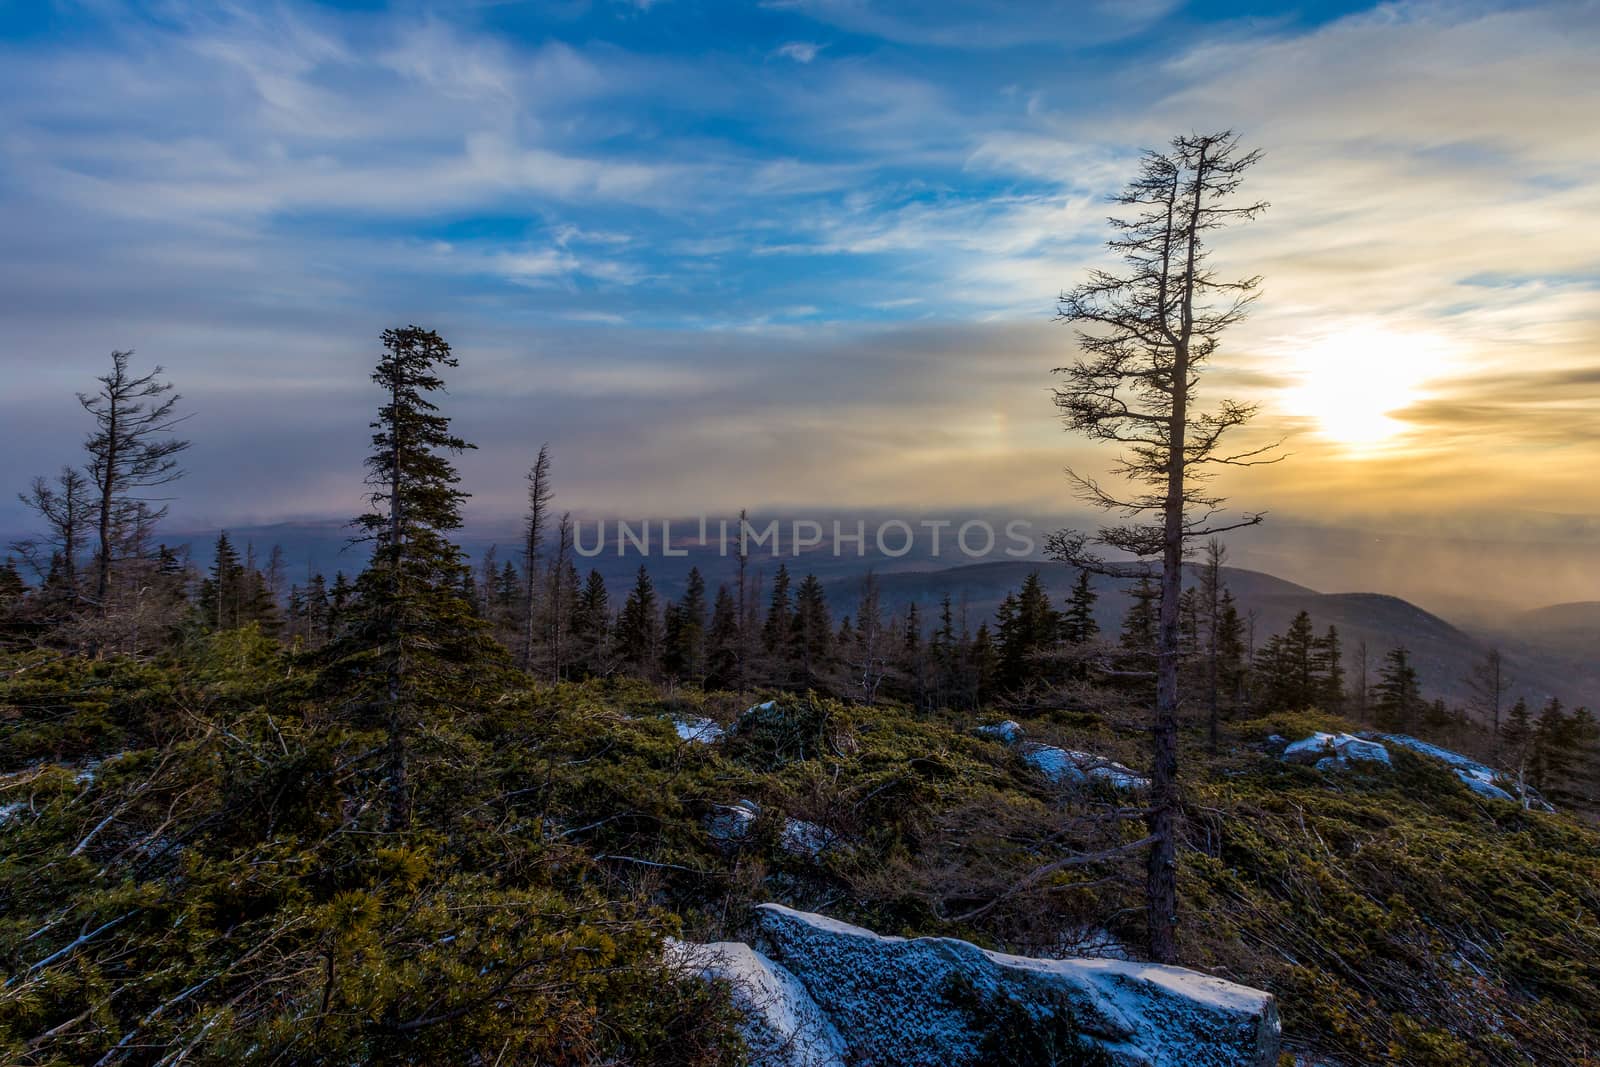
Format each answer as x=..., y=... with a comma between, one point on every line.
x=712, y=278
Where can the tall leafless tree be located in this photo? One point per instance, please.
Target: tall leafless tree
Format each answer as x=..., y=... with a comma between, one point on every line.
x=1145, y=335
x=131, y=449
x=1489, y=684
x=67, y=508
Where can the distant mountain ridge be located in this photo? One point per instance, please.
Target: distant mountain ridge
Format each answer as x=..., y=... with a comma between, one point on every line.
x=1550, y=651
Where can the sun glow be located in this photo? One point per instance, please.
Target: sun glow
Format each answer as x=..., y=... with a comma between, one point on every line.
x=1353, y=380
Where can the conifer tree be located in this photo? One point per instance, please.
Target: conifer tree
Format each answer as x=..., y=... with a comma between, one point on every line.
x=1078, y=624
x=540, y=493
x=1029, y=629
x=409, y=622
x=1516, y=738
x=1230, y=649
x=686, y=631
x=341, y=598
x=985, y=665
x=639, y=628
x=220, y=594
x=722, y=642
x=775, y=630
x=1138, y=635
x=561, y=596
x=1398, y=693
x=812, y=631
x=1329, y=657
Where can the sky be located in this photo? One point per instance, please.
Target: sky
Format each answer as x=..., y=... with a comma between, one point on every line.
x=795, y=254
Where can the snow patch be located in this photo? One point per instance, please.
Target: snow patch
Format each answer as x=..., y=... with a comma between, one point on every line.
x=730, y=824
x=1007, y=733
x=889, y=998
x=783, y=1025
x=698, y=730
x=1478, y=777
x=1335, y=751
x=1067, y=766
x=807, y=839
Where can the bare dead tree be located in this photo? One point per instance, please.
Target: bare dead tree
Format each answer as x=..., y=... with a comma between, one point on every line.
x=1145, y=335
x=1489, y=685
x=67, y=509
x=540, y=493
x=131, y=449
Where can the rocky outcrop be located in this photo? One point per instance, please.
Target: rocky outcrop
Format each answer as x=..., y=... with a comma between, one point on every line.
x=940, y=1002
x=1063, y=766
x=1329, y=752
x=783, y=1026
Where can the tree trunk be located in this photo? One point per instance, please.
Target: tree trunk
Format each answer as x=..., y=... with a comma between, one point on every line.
x=1161, y=886
x=108, y=480
x=399, y=796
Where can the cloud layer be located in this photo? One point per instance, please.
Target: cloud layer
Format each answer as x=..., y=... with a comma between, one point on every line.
x=805, y=254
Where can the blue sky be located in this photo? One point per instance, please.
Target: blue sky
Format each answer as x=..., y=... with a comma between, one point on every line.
x=794, y=253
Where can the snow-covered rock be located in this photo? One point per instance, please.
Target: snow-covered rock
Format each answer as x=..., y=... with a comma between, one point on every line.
x=890, y=999
x=1067, y=766
x=1007, y=732
x=807, y=839
x=1478, y=777
x=783, y=1025
x=698, y=730
x=730, y=824
x=1335, y=751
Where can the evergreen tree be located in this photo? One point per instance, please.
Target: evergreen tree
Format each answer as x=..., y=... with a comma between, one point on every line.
x=639, y=628
x=1328, y=656
x=591, y=625
x=1230, y=650
x=1138, y=637
x=722, y=642
x=812, y=632
x=221, y=592
x=341, y=598
x=1078, y=624
x=1028, y=628
x=775, y=631
x=686, y=631
x=1398, y=693
x=985, y=665
x=1516, y=739
x=1189, y=622
x=409, y=627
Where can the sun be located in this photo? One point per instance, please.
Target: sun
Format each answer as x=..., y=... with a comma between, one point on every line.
x=1352, y=379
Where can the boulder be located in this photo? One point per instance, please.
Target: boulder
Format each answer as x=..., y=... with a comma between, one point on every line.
x=698, y=730
x=805, y=839
x=783, y=1026
x=933, y=1002
x=1478, y=777
x=730, y=824
x=1067, y=766
x=1328, y=752
x=1008, y=732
